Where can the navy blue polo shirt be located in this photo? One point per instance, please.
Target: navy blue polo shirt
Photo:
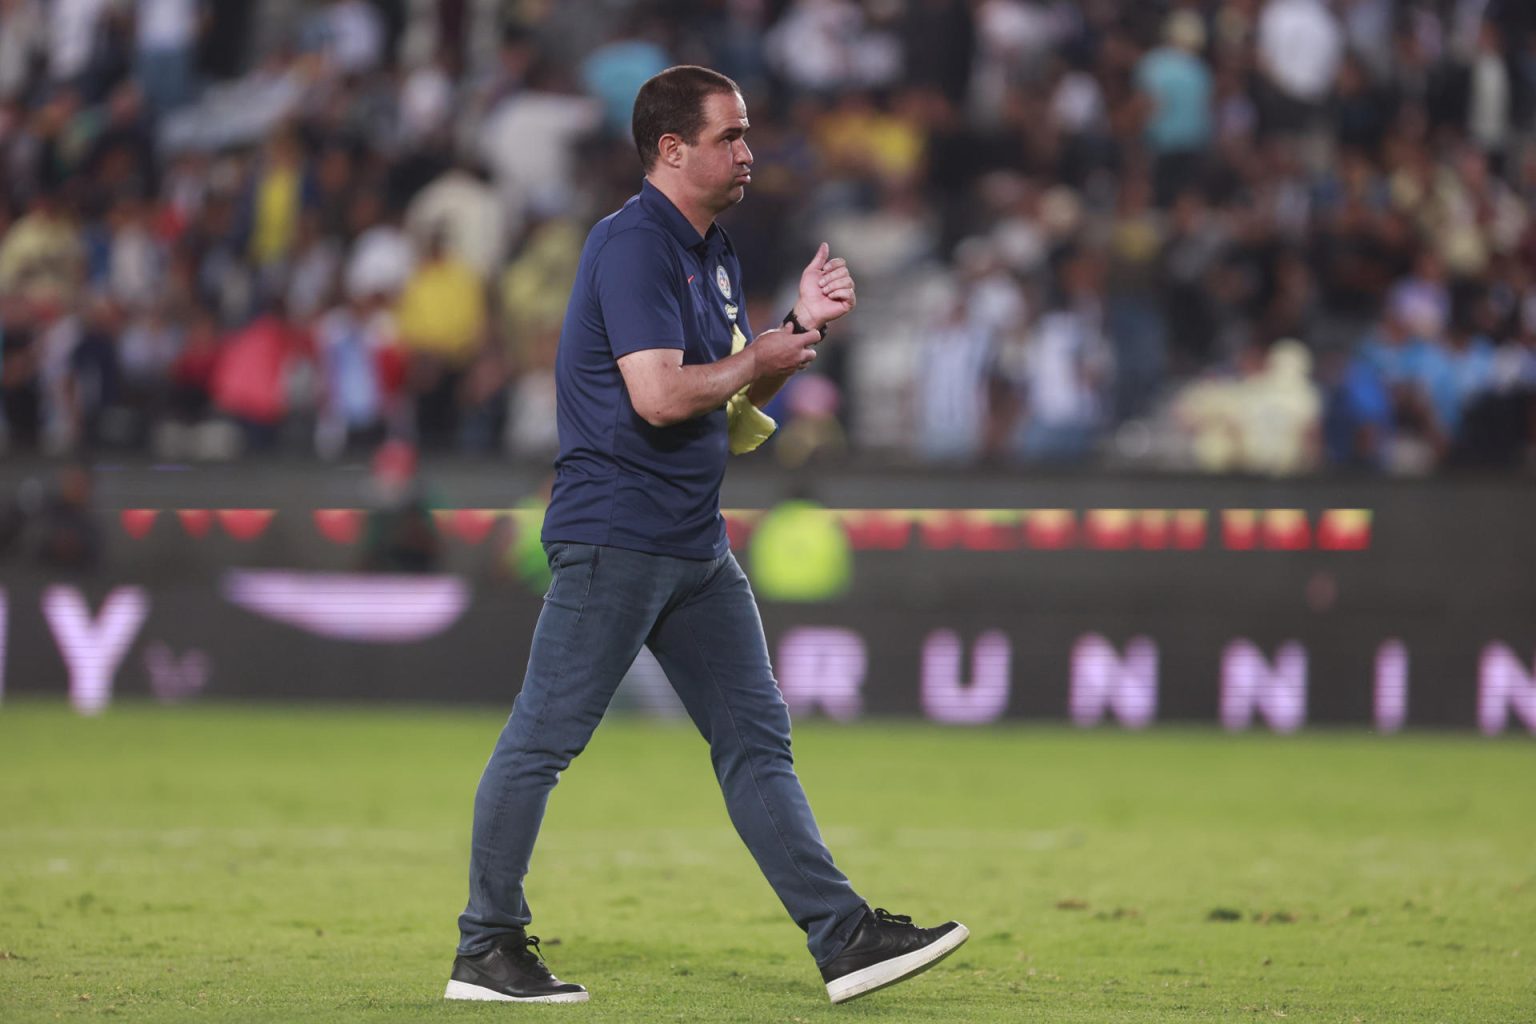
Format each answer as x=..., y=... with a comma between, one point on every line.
x=646, y=280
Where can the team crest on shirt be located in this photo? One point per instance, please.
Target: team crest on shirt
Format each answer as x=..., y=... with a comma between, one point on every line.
x=723, y=281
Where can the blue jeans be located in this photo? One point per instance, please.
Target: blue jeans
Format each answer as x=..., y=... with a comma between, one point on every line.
x=700, y=620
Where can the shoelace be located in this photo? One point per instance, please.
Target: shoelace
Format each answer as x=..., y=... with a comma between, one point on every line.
x=886, y=917
x=531, y=954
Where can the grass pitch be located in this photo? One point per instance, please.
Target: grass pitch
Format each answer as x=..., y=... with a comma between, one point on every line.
x=255, y=863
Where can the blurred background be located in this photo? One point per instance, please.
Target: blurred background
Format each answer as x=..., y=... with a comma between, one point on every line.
x=1196, y=342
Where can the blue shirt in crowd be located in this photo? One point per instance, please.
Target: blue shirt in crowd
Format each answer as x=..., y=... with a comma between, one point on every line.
x=1360, y=401
x=646, y=280
x=614, y=74
x=1422, y=364
x=1180, y=88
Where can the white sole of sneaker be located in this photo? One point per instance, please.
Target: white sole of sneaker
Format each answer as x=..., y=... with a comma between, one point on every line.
x=899, y=968
x=464, y=990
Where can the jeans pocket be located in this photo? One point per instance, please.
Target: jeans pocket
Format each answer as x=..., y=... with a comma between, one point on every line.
x=552, y=553
x=573, y=566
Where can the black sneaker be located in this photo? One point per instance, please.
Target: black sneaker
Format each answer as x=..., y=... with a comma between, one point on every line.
x=887, y=948
x=512, y=971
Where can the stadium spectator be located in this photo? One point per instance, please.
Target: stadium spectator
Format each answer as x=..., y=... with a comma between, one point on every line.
x=191, y=371
x=166, y=38
x=22, y=26
x=42, y=255
x=278, y=194
x=870, y=143
x=314, y=268
x=134, y=269
x=1300, y=44
x=1177, y=87
x=534, y=286
x=54, y=525
x=426, y=103
x=361, y=372
x=350, y=33
x=615, y=71
x=1266, y=418
x=959, y=352
x=1067, y=367
x=1406, y=355
x=94, y=374
x=474, y=221
x=382, y=257
x=72, y=28
x=1489, y=94
x=1358, y=421
x=147, y=349
x=816, y=46
x=810, y=431
x=20, y=392
x=542, y=175
x=1472, y=373
x=401, y=534
x=1134, y=319
x=253, y=382
x=442, y=322
x=1279, y=414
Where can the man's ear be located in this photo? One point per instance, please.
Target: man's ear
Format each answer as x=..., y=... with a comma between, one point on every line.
x=670, y=149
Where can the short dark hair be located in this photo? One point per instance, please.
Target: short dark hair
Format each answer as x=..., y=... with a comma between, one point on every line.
x=673, y=103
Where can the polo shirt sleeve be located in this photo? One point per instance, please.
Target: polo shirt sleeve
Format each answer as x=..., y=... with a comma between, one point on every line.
x=639, y=289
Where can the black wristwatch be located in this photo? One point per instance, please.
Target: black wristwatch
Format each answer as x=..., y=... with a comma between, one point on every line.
x=790, y=318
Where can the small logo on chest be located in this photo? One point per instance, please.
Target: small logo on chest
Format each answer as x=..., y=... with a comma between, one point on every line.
x=723, y=281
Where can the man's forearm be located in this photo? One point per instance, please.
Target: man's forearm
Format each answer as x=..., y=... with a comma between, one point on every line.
x=700, y=388
x=764, y=388
x=668, y=394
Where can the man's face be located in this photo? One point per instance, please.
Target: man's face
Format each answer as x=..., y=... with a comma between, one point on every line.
x=719, y=166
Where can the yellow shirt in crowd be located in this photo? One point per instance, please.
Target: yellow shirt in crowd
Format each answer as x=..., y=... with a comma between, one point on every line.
x=442, y=311
x=277, y=215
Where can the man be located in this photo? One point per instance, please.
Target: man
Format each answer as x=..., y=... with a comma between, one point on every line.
x=1300, y=45
x=1177, y=86
x=655, y=385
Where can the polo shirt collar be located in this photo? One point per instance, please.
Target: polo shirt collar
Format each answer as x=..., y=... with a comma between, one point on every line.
x=671, y=218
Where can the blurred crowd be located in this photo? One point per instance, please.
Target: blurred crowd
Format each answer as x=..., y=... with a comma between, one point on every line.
x=1265, y=236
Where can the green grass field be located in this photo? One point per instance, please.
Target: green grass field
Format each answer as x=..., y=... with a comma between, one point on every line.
x=231, y=863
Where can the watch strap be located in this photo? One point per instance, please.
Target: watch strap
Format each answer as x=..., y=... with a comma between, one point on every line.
x=794, y=321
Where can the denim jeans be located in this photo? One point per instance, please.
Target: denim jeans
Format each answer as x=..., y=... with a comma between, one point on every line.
x=700, y=620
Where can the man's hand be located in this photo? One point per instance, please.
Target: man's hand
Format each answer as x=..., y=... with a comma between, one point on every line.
x=826, y=291
x=664, y=391
x=781, y=352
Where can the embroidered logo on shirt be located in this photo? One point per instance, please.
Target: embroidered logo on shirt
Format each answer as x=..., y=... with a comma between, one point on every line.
x=723, y=281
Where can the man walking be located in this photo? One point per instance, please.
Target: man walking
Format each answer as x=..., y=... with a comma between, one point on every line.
x=656, y=385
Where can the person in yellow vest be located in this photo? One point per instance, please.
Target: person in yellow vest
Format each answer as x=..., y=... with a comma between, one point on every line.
x=799, y=551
